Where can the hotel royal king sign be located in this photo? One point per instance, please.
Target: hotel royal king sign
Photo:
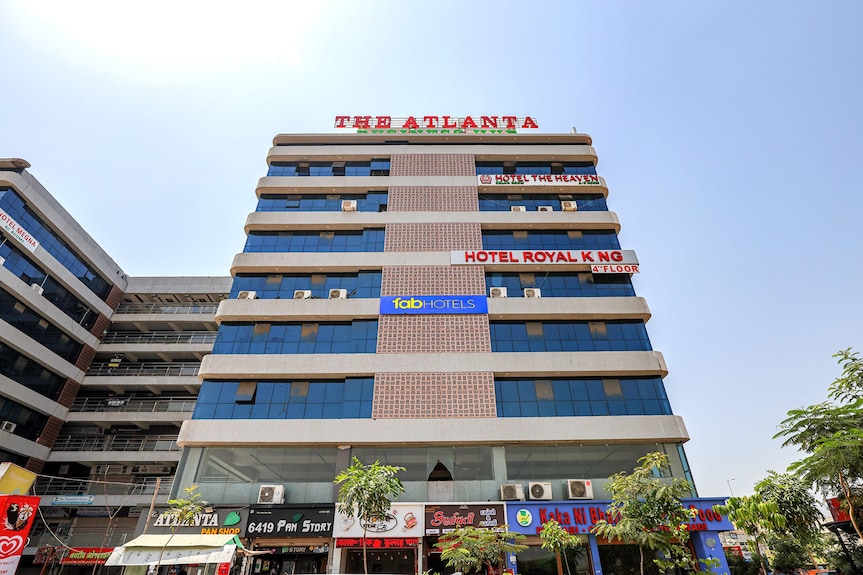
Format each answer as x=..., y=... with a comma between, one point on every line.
x=422, y=124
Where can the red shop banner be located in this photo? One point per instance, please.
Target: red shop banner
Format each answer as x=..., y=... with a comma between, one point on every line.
x=18, y=515
x=87, y=556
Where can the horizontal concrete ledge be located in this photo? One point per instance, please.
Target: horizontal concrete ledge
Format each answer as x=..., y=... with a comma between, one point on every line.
x=523, y=364
x=163, y=318
x=112, y=457
x=157, y=381
x=136, y=417
x=469, y=431
x=535, y=309
x=297, y=262
x=556, y=220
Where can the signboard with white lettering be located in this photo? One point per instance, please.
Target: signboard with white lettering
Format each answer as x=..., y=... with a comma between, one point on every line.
x=434, y=304
x=600, y=261
x=73, y=500
x=220, y=521
x=266, y=521
x=556, y=180
x=440, y=519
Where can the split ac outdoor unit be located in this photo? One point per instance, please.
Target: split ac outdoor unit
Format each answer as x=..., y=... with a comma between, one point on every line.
x=302, y=294
x=579, y=489
x=497, y=292
x=512, y=492
x=545, y=208
x=338, y=294
x=37, y=288
x=517, y=209
x=247, y=295
x=568, y=206
x=532, y=292
x=274, y=494
x=8, y=426
x=349, y=205
x=539, y=491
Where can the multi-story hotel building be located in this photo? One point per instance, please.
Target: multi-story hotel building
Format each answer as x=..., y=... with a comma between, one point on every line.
x=447, y=297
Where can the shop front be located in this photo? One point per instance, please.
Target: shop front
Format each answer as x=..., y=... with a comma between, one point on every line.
x=598, y=556
x=289, y=539
x=175, y=554
x=392, y=543
x=441, y=519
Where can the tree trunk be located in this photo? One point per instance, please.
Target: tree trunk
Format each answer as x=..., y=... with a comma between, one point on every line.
x=851, y=510
x=641, y=559
x=559, y=563
x=365, y=552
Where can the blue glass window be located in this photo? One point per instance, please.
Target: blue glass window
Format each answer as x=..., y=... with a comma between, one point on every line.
x=501, y=167
x=549, y=239
x=374, y=167
x=34, y=326
x=367, y=240
x=369, y=202
x=364, y=284
x=580, y=397
x=503, y=202
x=514, y=336
x=29, y=424
x=350, y=398
x=17, y=208
x=359, y=336
x=29, y=373
x=562, y=284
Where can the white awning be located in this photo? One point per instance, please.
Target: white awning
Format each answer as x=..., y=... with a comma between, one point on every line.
x=181, y=549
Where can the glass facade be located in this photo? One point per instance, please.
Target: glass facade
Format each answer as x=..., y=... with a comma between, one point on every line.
x=562, y=284
x=375, y=167
x=30, y=373
x=493, y=168
x=358, y=336
x=549, y=239
x=368, y=240
x=368, y=202
x=37, y=328
x=531, y=202
x=363, y=284
x=536, y=336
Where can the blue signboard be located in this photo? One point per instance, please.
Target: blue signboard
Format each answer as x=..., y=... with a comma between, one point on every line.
x=434, y=304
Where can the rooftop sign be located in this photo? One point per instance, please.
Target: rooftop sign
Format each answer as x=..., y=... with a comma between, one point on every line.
x=436, y=124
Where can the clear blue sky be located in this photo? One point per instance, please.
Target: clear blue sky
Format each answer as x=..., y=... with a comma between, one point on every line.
x=727, y=132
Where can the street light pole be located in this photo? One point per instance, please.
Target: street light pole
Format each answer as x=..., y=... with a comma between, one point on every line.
x=728, y=481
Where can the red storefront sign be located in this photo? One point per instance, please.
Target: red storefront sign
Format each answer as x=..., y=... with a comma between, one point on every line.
x=17, y=514
x=87, y=556
x=598, y=259
x=377, y=542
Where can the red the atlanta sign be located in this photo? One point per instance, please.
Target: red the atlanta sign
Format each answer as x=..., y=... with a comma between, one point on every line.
x=436, y=122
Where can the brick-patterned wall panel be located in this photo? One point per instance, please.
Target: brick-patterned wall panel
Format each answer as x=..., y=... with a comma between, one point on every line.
x=432, y=237
x=432, y=165
x=433, y=199
x=69, y=392
x=34, y=465
x=432, y=280
x=85, y=357
x=101, y=324
x=433, y=395
x=433, y=334
x=114, y=297
x=50, y=431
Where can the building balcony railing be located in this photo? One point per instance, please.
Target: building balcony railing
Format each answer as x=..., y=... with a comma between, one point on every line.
x=133, y=405
x=160, y=337
x=117, y=443
x=148, y=369
x=79, y=537
x=167, y=308
x=95, y=486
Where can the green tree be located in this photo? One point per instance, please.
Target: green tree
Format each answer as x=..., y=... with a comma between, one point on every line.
x=366, y=493
x=802, y=528
x=755, y=517
x=182, y=511
x=556, y=538
x=474, y=549
x=831, y=435
x=647, y=510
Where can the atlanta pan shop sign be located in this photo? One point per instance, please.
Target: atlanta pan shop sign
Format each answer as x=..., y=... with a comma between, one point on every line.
x=423, y=124
x=17, y=514
x=600, y=261
x=538, y=180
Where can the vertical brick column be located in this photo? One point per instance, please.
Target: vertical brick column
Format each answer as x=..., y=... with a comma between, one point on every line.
x=433, y=395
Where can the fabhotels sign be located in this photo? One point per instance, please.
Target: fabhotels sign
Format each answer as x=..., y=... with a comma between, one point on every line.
x=421, y=124
x=434, y=304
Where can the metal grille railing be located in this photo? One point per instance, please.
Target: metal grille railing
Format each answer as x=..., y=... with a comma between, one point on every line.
x=138, y=486
x=167, y=308
x=133, y=405
x=160, y=337
x=117, y=443
x=149, y=368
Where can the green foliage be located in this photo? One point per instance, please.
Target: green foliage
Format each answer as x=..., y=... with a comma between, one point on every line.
x=474, y=550
x=755, y=517
x=184, y=509
x=737, y=565
x=831, y=436
x=556, y=538
x=646, y=510
x=366, y=492
x=788, y=554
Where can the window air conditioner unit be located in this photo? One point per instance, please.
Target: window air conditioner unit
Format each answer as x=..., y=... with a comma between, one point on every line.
x=338, y=294
x=512, y=492
x=545, y=208
x=247, y=295
x=532, y=292
x=539, y=491
x=8, y=426
x=517, y=209
x=37, y=288
x=497, y=292
x=579, y=489
x=568, y=206
x=272, y=494
x=349, y=205
x=302, y=294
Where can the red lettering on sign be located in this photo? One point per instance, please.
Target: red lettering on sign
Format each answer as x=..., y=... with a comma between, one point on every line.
x=468, y=123
x=586, y=256
x=340, y=121
x=430, y=121
x=410, y=123
x=488, y=121
x=362, y=122
x=383, y=122
x=510, y=122
x=448, y=124
x=529, y=123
